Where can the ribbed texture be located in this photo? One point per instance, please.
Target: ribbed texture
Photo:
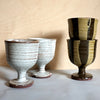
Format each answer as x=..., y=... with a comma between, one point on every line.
x=83, y=51
x=82, y=28
x=22, y=55
x=76, y=56
x=46, y=50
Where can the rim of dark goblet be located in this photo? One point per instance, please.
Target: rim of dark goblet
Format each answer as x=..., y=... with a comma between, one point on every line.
x=21, y=41
x=83, y=18
x=80, y=40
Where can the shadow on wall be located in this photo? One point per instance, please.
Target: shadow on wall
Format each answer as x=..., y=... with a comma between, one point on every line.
x=4, y=62
x=58, y=35
x=52, y=35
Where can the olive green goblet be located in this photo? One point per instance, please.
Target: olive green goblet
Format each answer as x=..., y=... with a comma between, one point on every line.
x=84, y=28
x=82, y=53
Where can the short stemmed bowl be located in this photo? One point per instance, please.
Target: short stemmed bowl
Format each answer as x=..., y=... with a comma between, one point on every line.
x=46, y=54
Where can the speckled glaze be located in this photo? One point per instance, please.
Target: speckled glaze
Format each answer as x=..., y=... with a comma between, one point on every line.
x=46, y=54
x=21, y=55
x=82, y=28
x=82, y=53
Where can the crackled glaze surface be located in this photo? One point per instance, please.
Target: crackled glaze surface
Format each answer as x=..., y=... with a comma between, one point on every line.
x=46, y=54
x=21, y=55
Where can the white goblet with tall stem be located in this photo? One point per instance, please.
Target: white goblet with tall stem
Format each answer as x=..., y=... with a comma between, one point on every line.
x=21, y=55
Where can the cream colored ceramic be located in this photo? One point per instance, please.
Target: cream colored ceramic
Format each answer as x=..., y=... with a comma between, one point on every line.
x=46, y=54
x=21, y=55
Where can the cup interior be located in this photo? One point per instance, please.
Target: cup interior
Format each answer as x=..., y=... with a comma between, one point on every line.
x=21, y=41
x=83, y=18
x=95, y=40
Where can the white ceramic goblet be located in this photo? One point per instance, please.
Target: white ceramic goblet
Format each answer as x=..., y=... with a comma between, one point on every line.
x=46, y=54
x=21, y=55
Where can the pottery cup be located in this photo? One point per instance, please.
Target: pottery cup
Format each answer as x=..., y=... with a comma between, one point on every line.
x=82, y=28
x=82, y=53
x=46, y=54
x=21, y=55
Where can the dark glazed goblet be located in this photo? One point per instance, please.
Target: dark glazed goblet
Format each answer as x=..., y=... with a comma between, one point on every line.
x=82, y=28
x=82, y=53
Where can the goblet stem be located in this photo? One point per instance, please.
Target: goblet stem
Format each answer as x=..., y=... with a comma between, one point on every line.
x=22, y=76
x=82, y=75
x=42, y=68
x=42, y=73
x=82, y=70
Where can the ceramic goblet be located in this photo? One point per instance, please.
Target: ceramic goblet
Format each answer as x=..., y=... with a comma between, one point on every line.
x=21, y=55
x=82, y=28
x=46, y=54
x=82, y=53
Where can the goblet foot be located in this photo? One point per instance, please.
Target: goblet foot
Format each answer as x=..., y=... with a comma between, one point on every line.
x=39, y=74
x=15, y=84
x=82, y=77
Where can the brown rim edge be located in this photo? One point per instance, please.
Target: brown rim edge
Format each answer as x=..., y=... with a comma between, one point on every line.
x=21, y=86
x=21, y=41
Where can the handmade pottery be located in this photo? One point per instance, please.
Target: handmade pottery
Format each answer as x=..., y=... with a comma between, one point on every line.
x=21, y=55
x=82, y=53
x=46, y=54
x=82, y=28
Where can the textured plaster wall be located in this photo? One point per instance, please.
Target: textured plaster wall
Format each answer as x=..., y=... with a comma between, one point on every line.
x=45, y=18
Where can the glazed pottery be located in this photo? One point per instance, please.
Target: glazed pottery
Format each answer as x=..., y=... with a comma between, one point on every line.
x=82, y=53
x=21, y=55
x=82, y=28
x=46, y=54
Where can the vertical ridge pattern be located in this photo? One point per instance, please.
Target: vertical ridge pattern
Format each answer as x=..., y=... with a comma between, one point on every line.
x=83, y=28
x=73, y=28
x=90, y=31
x=82, y=52
x=77, y=60
x=91, y=52
x=71, y=50
x=95, y=28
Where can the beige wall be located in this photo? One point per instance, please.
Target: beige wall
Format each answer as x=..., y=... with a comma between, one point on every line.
x=45, y=18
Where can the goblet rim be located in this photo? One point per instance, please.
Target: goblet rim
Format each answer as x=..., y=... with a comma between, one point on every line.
x=21, y=41
x=80, y=40
x=44, y=39
x=83, y=18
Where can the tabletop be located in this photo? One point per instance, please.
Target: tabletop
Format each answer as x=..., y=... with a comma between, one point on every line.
x=58, y=87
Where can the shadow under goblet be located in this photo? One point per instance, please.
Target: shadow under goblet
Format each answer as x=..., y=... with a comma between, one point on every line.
x=82, y=53
x=21, y=55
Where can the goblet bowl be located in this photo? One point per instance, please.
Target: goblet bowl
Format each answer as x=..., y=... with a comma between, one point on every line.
x=46, y=54
x=82, y=53
x=82, y=28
